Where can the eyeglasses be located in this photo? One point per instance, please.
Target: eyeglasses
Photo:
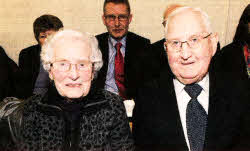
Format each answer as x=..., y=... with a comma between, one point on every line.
x=66, y=66
x=192, y=42
x=113, y=17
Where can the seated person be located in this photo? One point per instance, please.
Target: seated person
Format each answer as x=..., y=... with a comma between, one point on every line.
x=190, y=106
x=122, y=51
x=8, y=71
x=8, y=68
x=235, y=57
x=72, y=115
x=29, y=58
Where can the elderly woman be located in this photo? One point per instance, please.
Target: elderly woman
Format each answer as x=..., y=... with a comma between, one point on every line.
x=34, y=78
x=72, y=115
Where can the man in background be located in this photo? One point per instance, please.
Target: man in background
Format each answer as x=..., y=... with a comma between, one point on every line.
x=122, y=51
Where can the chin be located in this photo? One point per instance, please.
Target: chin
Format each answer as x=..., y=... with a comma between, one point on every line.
x=188, y=79
x=74, y=96
x=118, y=37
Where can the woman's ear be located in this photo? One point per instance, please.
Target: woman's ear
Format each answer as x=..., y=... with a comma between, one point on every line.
x=51, y=75
x=93, y=73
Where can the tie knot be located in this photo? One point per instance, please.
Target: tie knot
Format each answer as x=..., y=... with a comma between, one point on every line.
x=193, y=90
x=118, y=46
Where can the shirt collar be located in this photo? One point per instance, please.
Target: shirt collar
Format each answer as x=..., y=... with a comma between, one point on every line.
x=204, y=83
x=113, y=41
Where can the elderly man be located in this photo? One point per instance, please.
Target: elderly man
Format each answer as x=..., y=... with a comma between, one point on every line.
x=190, y=107
x=121, y=50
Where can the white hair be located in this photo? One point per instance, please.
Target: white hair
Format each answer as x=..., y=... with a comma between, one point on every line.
x=47, y=53
x=204, y=16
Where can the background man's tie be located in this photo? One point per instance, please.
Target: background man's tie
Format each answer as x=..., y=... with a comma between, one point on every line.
x=119, y=71
x=196, y=119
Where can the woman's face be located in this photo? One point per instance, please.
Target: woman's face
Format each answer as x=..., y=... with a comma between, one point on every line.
x=71, y=68
x=43, y=36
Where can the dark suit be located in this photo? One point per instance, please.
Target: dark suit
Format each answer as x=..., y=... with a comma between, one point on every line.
x=136, y=47
x=233, y=62
x=29, y=64
x=9, y=71
x=8, y=74
x=158, y=49
x=157, y=123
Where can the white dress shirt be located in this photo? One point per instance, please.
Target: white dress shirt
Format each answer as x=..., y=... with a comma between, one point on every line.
x=183, y=98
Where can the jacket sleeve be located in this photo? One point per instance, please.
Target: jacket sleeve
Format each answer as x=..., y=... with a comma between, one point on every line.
x=26, y=78
x=121, y=136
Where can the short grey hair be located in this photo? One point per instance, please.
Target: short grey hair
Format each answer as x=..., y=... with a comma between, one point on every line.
x=47, y=53
x=203, y=14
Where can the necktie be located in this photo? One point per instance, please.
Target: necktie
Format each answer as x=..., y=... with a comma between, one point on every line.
x=119, y=70
x=196, y=119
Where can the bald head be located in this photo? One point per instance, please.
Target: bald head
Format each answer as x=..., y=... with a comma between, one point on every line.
x=188, y=12
x=168, y=11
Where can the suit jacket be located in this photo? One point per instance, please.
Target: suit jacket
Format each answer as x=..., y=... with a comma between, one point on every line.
x=233, y=62
x=29, y=64
x=157, y=124
x=136, y=47
x=8, y=87
x=158, y=49
x=8, y=70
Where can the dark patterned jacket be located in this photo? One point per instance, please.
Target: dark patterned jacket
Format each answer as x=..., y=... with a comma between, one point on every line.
x=98, y=122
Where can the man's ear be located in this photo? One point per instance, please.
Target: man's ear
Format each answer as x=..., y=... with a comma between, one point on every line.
x=214, y=41
x=165, y=46
x=130, y=18
x=103, y=19
x=93, y=74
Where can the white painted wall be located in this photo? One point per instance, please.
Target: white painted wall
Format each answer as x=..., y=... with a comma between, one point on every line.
x=17, y=17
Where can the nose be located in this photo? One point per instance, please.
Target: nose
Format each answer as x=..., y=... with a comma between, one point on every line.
x=117, y=22
x=185, y=51
x=73, y=73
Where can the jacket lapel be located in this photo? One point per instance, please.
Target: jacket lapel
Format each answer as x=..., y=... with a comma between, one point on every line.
x=170, y=109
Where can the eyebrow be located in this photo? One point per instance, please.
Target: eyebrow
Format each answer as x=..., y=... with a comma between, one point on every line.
x=81, y=60
x=196, y=34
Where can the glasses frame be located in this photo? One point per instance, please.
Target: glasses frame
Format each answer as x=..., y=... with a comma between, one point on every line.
x=187, y=41
x=77, y=66
x=120, y=18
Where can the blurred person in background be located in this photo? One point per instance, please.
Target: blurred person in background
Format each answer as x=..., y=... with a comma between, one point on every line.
x=34, y=78
x=235, y=57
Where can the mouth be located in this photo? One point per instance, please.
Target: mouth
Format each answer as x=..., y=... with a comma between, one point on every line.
x=117, y=30
x=73, y=85
x=187, y=63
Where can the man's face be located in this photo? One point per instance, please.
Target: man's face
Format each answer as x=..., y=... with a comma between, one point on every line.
x=117, y=19
x=189, y=65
